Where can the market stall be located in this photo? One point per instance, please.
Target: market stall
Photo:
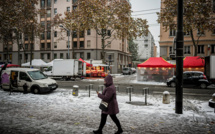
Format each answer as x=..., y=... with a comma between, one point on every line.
x=97, y=69
x=155, y=69
x=193, y=63
x=36, y=63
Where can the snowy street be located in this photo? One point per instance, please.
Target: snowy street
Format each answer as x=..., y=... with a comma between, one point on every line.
x=60, y=112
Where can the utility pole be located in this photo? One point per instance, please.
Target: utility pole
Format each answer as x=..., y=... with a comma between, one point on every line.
x=179, y=60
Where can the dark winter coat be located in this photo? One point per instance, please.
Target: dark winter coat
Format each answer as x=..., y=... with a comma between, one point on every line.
x=109, y=96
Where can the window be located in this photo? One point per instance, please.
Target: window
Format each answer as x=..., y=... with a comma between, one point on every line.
x=186, y=33
x=88, y=56
x=109, y=44
x=42, y=16
x=42, y=45
x=109, y=32
x=187, y=49
x=81, y=43
x=61, y=55
x=74, y=7
x=0, y=56
x=55, y=1
x=55, y=56
x=10, y=57
x=213, y=48
x=82, y=55
x=200, y=49
x=55, y=11
x=26, y=56
x=55, y=44
x=48, y=25
x=200, y=32
x=146, y=45
x=26, y=37
x=213, y=32
x=68, y=42
x=81, y=34
x=48, y=55
x=55, y=33
x=20, y=56
x=172, y=32
x=68, y=0
x=42, y=36
x=48, y=45
x=23, y=76
x=68, y=9
x=88, y=32
x=146, y=40
x=74, y=34
x=42, y=56
x=75, y=44
x=48, y=35
x=48, y=13
x=42, y=23
x=26, y=46
x=42, y=2
x=88, y=44
x=48, y=3
x=74, y=1
x=214, y=6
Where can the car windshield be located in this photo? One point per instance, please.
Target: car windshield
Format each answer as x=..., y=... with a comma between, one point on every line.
x=125, y=68
x=36, y=75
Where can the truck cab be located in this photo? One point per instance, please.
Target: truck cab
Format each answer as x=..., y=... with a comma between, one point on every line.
x=36, y=81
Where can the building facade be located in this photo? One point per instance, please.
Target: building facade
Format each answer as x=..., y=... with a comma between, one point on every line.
x=146, y=46
x=206, y=45
x=53, y=43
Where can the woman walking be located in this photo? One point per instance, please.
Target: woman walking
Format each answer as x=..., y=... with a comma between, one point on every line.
x=109, y=96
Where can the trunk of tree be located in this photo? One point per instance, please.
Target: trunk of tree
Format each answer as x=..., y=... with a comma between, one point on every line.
x=17, y=39
x=194, y=43
x=103, y=50
x=31, y=45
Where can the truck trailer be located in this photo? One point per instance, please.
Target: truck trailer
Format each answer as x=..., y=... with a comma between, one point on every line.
x=210, y=68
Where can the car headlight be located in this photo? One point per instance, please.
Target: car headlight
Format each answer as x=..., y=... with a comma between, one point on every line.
x=45, y=85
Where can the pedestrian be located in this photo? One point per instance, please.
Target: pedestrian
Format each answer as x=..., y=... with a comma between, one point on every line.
x=109, y=96
x=25, y=88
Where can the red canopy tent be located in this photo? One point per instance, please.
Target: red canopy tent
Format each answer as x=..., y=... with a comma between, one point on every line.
x=11, y=65
x=193, y=62
x=87, y=64
x=156, y=62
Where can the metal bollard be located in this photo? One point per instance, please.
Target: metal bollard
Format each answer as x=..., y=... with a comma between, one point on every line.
x=117, y=88
x=86, y=88
x=128, y=90
x=146, y=91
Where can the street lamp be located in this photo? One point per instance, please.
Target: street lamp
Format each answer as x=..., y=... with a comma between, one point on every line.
x=68, y=38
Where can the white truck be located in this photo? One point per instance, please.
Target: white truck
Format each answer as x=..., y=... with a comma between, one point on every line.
x=210, y=68
x=36, y=81
x=66, y=69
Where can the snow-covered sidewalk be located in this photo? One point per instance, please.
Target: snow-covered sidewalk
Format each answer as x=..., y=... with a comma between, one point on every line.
x=60, y=112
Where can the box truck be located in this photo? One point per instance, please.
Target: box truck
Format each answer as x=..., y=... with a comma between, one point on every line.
x=66, y=69
x=210, y=68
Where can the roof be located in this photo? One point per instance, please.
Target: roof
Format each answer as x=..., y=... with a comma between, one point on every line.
x=193, y=62
x=23, y=69
x=156, y=62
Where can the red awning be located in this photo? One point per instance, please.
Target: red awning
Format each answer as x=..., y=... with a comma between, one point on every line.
x=87, y=64
x=11, y=65
x=193, y=62
x=156, y=62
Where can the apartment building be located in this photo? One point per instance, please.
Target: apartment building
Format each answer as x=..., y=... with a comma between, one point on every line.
x=206, y=45
x=146, y=46
x=53, y=43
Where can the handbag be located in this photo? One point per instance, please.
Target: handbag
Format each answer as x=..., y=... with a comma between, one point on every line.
x=103, y=106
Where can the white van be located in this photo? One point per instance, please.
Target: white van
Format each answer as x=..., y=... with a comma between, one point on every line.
x=37, y=82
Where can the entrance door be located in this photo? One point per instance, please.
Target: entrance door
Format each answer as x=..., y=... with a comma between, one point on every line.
x=23, y=78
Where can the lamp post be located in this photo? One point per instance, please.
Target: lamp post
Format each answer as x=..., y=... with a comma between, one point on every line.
x=68, y=38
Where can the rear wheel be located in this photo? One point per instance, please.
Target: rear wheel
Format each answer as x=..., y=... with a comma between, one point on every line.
x=172, y=84
x=203, y=85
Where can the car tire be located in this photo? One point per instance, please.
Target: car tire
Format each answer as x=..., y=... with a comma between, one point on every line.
x=172, y=84
x=36, y=90
x=203, y=85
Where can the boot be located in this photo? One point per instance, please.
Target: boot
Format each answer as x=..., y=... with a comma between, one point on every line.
x=119, y=131
x=97, y=131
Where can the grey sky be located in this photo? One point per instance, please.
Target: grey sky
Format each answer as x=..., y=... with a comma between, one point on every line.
x=141, y=6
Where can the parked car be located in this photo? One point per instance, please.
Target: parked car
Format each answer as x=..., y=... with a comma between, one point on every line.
x=126, y=70
x=191, y=79
x=36, y=81
x=133, y=70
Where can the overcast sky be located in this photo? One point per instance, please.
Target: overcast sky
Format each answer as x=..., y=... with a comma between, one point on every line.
x=147, y=9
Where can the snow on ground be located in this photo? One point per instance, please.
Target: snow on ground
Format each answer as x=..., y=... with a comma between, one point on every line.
x=60, y=112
